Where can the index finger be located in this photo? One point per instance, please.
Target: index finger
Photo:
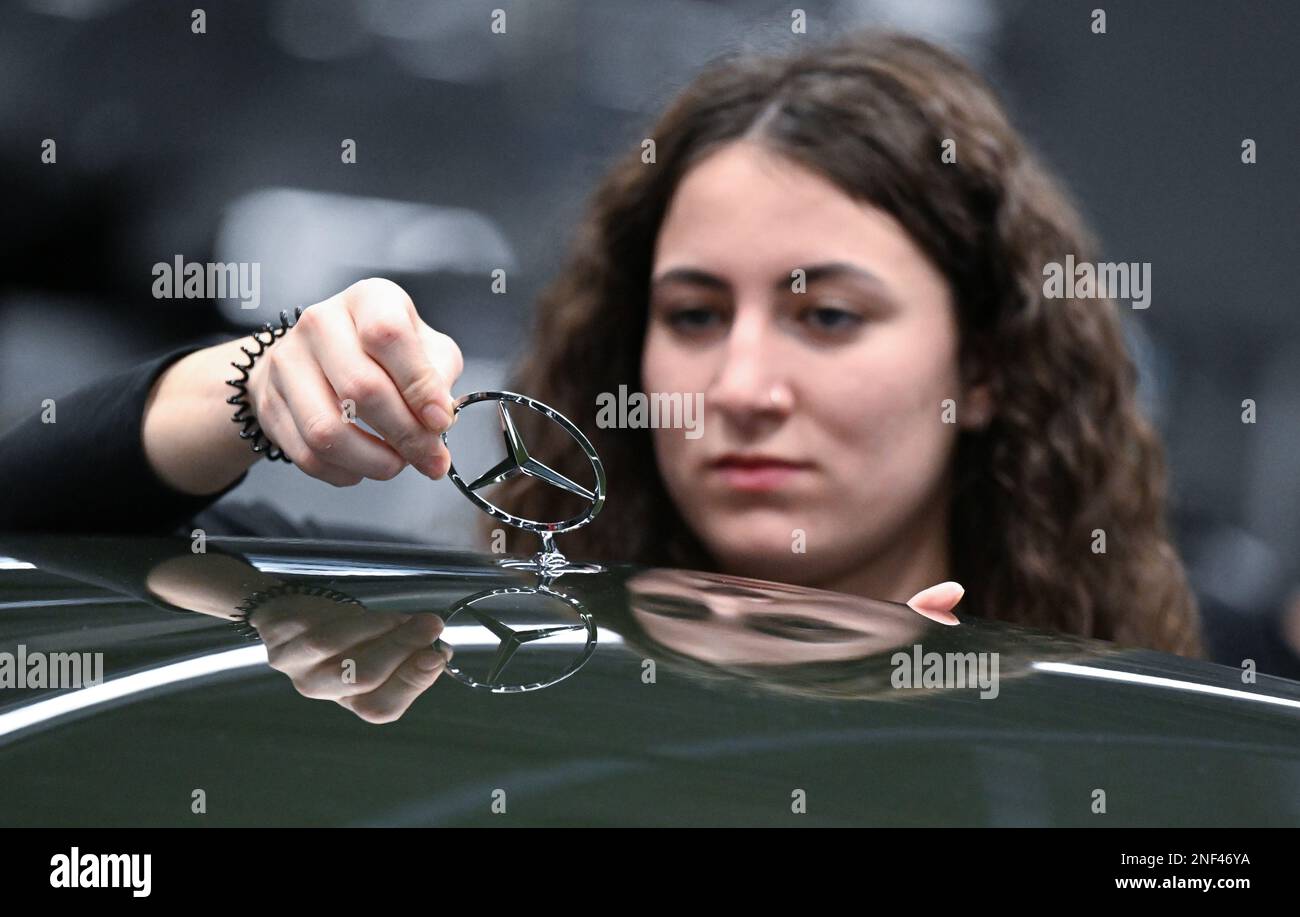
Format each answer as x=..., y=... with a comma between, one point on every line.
x=392, y=340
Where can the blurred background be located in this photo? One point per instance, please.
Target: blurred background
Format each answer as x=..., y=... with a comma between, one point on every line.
x=476, y=151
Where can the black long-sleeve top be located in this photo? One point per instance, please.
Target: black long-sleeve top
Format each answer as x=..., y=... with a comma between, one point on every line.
x=87, y=471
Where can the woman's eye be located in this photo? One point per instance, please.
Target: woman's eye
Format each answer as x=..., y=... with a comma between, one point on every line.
x=693, y=318
x=672, y=606
x=807, y=630
x=831, y=318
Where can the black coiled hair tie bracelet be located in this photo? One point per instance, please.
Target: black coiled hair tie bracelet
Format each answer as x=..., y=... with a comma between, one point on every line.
x=249, y=604
x=244, y=415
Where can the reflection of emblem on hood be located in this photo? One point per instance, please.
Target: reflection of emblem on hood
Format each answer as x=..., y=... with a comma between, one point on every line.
x=580, y=634
x=518, y=461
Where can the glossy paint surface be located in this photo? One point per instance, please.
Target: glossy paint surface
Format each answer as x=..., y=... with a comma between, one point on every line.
x=705, y=700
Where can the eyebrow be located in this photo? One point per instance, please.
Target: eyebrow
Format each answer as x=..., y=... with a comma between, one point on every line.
x=812, y=274
x=727, y=589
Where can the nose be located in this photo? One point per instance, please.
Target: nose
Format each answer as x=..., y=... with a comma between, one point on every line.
x=750, y=388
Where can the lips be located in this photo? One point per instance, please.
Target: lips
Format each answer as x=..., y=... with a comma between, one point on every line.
x=757, y=472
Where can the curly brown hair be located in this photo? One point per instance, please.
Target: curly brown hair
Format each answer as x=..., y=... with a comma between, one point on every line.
x=1068, y=451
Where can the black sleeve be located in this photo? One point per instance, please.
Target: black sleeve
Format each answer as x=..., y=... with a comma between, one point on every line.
x=87, y=471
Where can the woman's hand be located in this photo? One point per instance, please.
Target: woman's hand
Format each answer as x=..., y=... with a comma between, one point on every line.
x=364, y=354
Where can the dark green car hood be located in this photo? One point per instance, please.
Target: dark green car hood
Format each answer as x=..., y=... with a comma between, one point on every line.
x=706, y=700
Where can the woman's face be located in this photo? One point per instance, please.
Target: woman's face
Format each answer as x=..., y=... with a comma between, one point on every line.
x=823, y=409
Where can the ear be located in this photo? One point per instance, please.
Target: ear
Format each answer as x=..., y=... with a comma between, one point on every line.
x=975, y=411
x=977, y=406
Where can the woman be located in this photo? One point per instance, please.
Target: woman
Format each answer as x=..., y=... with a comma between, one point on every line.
x=842, y=251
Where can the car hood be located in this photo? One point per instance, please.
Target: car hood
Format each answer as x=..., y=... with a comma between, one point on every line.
x=627, y=696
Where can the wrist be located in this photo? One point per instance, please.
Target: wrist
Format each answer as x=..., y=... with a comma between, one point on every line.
x=189, y=439
x=244, y=395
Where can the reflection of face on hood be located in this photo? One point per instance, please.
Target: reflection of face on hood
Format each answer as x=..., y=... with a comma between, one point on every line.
x=791, y=640
x=725, y=620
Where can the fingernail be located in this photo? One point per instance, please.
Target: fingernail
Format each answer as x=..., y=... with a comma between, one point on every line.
x=436, y=418
x=433, y=468
x=428, y=660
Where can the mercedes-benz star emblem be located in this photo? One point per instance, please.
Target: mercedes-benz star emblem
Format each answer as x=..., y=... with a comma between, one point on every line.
x=543, y=634
x=517, y=461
